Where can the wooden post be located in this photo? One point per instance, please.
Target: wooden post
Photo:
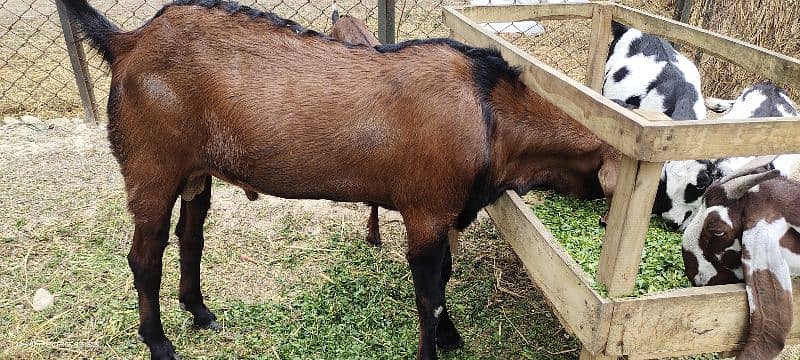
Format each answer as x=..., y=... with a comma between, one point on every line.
x=628, y=220
x=598, y=47
x=79, y=66
x=683, y=10
x=386, y=32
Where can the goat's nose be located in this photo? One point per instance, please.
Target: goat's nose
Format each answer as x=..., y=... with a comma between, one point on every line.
x=671, y=225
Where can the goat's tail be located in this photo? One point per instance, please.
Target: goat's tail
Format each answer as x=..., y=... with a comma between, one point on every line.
x=94, y=25
x=335, y=14
x=718, y=105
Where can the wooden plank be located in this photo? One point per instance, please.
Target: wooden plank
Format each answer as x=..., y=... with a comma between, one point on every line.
x=561, y=280
x=628, y=220
x=612, y=123
x=598, y=46
x=507, y=13
x=77, y=58
x=775, y=66
x=707, y=139
x=684, y=322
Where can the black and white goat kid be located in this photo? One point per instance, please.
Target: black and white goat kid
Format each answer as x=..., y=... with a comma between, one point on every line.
x=748, y=227
x=683, y=182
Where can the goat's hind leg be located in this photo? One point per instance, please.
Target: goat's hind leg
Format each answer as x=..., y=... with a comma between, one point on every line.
x=447, y=337
x=150, y=200
x=190, y=234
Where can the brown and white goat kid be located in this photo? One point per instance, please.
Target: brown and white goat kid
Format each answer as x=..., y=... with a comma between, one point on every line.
x=433, y=129
x=747, y=228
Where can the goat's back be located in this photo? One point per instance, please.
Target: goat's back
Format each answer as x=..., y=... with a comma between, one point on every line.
x=294, y=115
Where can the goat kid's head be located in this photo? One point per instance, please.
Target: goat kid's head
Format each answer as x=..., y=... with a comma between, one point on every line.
x=712, y=241
x=680, y=190
x=738, y=235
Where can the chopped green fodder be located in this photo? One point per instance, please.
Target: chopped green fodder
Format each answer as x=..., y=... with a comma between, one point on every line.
x=575, y=223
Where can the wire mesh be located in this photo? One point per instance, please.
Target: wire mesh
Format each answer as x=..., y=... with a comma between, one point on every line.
x=36, y=73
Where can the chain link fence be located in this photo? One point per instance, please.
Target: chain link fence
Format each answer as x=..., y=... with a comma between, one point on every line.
x=36, y=75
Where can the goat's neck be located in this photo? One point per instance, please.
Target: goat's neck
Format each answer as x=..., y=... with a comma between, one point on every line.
x=538, y=145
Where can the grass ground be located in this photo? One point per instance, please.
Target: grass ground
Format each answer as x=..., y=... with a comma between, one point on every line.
x=287, y=279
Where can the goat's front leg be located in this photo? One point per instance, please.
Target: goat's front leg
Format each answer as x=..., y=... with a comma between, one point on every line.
x=427, y=250
x=190, y=233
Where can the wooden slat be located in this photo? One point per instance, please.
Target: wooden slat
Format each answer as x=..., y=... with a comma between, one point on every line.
x=562, y=281
x=628, y=220
x=507, y=13
x=587, y=355
x=611, y=122
x=775, y=66
x=598, y=46
x=632, y=134
x=684, y=321
x=706, y=139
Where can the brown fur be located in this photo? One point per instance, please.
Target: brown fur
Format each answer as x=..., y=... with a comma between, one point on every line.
x=771, y=316
x=354, y=30
x=198, y=93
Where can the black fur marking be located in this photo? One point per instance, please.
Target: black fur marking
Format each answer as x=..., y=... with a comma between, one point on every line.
x=634, y=101
x=231, y=8
x=620, y=74
x=679, y=95
x=94, y=26
x=488, y=68
x=662, y=203
x=774, y=99
x=650, y=45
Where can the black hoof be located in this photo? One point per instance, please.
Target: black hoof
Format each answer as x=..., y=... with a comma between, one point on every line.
x=203, y=318
x=374, y=241
x=212, y=325
x=449, y=342
x=163, y=351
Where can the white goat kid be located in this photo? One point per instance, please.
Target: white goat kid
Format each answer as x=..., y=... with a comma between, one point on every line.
x=747, y=228
x=644, y=71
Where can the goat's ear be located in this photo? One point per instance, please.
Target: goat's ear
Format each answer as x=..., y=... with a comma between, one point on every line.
x=769, y=294
x=737, y=187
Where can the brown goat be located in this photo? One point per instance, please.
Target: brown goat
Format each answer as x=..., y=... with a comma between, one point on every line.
x=354, y=31
x=433, y=129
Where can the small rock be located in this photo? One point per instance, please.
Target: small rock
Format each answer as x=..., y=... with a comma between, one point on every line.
x=33, y=120
x=42, y=299
x=8, y=120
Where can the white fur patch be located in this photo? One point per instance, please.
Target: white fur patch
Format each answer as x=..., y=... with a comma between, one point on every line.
x=679, y=175
x=763, y=244
x=691, y=243
x=438, y=311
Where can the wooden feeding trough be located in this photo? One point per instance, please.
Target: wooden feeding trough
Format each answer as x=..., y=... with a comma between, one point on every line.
x=673, y=323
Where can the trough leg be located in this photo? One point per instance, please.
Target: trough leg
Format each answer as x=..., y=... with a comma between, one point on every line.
x=190, y=234
x=427, y=252
x=150, y=200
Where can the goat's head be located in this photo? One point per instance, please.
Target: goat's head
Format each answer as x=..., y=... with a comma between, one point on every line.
x=680, y=189
x=737, y=235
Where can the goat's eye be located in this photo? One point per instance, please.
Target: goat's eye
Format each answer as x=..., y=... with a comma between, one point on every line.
x=719, y=234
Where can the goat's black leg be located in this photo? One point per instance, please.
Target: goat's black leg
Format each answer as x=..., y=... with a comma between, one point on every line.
x=427, y=246
x=151, y=204
x=373, y=232
x=190, y=234
x=447, y=337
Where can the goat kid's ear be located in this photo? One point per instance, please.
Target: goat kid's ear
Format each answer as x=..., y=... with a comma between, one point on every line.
x=769, y=294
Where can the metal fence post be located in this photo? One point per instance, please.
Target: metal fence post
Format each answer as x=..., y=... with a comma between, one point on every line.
x=78, y=59
x=386, y=32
